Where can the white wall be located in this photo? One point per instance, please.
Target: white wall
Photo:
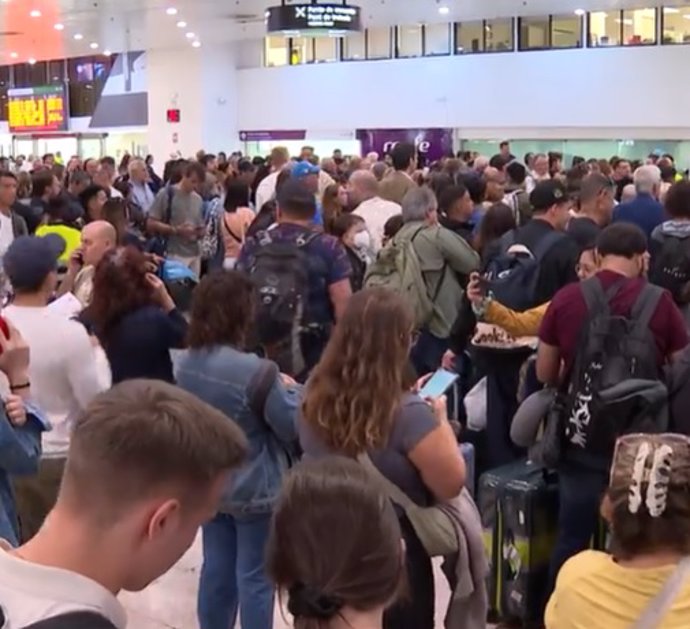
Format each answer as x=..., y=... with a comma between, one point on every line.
x=584, y=93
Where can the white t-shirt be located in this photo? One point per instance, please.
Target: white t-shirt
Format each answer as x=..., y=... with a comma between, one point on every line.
x=6, y=233
x=266, y=190
x=376, y=213
x=63, y=369
x=30, y=592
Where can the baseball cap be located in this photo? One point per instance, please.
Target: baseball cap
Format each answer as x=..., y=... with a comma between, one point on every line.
x=547, y=194
x=30, y=259
x=304, y=168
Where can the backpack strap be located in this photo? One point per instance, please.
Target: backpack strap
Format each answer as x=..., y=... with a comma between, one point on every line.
x=385, y=486
x=168, y=210
x=644, y=308
x=74, y=620
x=596, y=299
x=546, y=244
x=260, y=387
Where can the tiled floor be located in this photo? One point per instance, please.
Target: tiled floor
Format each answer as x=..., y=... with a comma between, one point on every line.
x=170, y=602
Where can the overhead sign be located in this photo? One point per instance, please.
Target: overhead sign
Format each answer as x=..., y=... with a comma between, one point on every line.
x=35, y=109
x=314, y=19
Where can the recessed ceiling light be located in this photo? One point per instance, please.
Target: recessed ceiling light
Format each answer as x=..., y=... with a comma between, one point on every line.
x=190, y=35
x=93, y=45
x=107, y=53
x=580, y=12
x=196, y=44
x=182, y=24
x=444, y=10
x=14, y=55
x=59, y=27
x=78, y=36
x=35, y=13
x=31, y=61
x=171, y=11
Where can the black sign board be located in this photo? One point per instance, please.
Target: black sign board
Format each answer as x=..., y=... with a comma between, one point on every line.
x=314, y=19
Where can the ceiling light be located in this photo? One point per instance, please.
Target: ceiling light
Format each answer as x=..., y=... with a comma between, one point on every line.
x=196, y=44
x=14, y=55
x=444, y=10
x=93, y=45
x=190, y=35
x=78, y=36
x=31, y=61
x=107, y=53
x=59, y=27
x=35, y=13
x=580, y=12
x=182, y=24
x=171, y=11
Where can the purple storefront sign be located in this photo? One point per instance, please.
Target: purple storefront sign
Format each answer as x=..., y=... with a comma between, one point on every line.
x=271, y=136
x=432, y=144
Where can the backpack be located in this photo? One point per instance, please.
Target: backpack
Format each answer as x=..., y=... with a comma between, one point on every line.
x=211, y=239
x=280, y=275
x=398, y=268
x=518, y=202
x=671, y=268
x=514, y=274
x=615, y=387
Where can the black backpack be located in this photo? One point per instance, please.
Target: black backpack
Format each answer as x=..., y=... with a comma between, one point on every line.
x=615, y=386
x=514, y=274
x=671, y=268
x=280, y=273
x=71, y=620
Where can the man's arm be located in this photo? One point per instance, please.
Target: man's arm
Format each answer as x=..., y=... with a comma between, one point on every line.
x=340, y=294
x=82, y=371
x=339, y=286
x=548, y=364
x=459, y=256
x=155, y=221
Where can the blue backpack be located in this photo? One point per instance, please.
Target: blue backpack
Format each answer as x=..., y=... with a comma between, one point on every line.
x=513, y=275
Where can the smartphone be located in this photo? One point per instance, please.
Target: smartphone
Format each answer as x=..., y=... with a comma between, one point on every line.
x=438, y=384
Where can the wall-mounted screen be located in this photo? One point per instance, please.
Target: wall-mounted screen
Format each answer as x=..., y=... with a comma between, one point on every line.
x=314, y=20
x=37, y=109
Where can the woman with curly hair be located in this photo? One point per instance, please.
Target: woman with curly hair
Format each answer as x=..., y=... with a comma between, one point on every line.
x=648, y=511
x=134, y=318
x=252, y=392
x=357, y=402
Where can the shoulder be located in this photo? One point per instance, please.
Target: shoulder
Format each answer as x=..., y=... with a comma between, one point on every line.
x=413, y=421
x=566, y=297
x=581, y=566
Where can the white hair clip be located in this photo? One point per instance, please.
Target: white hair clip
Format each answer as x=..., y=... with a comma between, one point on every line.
x=635, y=492
x=659, y=477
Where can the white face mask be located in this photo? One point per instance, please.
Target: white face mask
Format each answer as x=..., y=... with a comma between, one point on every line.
x=362, y=240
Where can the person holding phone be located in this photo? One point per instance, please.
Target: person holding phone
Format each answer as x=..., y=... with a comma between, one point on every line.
x=357, y=400
x=133, y=317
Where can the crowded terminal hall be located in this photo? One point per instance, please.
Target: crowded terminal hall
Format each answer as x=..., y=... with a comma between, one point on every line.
x=269, y=360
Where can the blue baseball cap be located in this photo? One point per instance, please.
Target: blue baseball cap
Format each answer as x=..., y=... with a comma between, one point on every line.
x=30, y=259
x=302, y=169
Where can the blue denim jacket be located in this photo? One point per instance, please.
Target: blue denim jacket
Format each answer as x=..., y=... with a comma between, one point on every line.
x=221, y=376
x=20, y=451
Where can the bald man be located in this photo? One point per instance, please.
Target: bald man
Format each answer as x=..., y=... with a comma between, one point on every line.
x=363, y=192
x=96, y=238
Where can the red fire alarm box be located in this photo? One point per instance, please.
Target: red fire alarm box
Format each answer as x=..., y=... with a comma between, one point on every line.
x=173, y=115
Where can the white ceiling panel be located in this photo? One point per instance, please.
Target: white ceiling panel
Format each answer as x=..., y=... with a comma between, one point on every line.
x=27, y=27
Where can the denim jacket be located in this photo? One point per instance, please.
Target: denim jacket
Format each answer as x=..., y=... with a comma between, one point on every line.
x=20, y=451
x=221, y=376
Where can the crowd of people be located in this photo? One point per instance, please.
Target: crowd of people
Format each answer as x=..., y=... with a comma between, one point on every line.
x=244, y=345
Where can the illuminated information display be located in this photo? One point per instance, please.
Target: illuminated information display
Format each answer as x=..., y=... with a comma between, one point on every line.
x=314, y=19
x=34, y=109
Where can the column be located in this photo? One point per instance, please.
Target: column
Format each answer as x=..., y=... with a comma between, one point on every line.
x=202, y=84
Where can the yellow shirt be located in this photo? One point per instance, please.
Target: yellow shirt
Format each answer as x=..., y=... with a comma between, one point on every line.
x=70, y=235
x=517, y=324
x=594, y=592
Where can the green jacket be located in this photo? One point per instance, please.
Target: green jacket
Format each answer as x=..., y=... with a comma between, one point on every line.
x=444, y=256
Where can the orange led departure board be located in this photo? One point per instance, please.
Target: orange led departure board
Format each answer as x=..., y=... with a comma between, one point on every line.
x=34, y=109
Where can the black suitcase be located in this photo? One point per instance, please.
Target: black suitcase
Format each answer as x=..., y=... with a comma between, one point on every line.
x=519, y=509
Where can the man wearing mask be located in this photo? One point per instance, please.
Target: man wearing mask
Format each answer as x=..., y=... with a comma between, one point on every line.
x=363, y=195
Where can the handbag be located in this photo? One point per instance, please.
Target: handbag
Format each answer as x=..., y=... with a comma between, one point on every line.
x=476, y=406
x=659, y=606
x=433, y=526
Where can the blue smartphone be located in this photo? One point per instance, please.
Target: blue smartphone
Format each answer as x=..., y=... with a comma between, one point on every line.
x=438, y=384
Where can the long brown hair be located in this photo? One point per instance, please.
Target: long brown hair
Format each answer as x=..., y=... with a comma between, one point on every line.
x=354, y=391
x=321, y=555
x=332, y=207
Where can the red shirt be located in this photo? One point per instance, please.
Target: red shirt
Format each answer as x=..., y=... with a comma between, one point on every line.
x=567, y=313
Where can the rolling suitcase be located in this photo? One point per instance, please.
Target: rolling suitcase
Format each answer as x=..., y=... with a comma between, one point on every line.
x=519, y=508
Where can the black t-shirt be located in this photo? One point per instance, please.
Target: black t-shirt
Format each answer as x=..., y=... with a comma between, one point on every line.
x=558, y=267
x=584, y=231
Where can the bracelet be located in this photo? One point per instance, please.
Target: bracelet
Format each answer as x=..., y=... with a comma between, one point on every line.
x=480, y=310
x=19, y=387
